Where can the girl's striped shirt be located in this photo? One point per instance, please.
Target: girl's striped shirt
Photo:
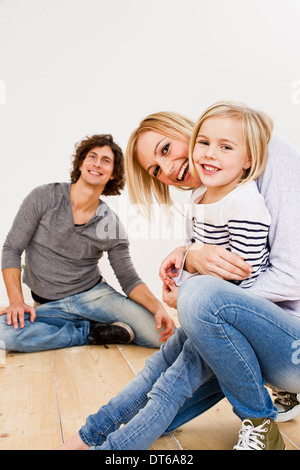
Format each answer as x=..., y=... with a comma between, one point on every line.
x=239, y=222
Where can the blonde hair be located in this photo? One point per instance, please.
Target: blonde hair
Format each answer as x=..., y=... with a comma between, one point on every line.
x=142, y=187
x=257, y=130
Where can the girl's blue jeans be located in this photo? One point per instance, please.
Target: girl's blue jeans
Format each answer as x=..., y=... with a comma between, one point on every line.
x=226, y=332
x=66, y=322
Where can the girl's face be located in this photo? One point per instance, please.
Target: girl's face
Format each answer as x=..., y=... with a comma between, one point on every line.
x=220, y=154
x=166, y=159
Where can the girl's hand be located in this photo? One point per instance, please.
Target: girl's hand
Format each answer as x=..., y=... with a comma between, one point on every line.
x=169, y=295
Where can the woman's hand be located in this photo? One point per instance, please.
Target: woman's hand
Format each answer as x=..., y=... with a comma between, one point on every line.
x=172, y=262
x=216, y=261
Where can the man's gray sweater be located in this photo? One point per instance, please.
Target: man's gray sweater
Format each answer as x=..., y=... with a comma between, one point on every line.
x=62, y=258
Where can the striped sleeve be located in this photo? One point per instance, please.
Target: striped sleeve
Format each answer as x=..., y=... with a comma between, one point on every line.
x=248, y=228
x=249, y=239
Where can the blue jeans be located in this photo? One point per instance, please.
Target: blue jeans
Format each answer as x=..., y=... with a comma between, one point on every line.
x=245, y=339
x=237, y=334
x=163, y=396
x=65, y=323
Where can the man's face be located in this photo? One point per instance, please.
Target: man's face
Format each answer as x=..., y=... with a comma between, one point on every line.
x=98, y=166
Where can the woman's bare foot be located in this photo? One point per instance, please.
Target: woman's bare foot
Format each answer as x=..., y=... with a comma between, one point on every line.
x=74, y=443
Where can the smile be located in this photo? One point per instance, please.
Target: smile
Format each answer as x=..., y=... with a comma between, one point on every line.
x=210, y=168
x=183, y=171
x=96, y=173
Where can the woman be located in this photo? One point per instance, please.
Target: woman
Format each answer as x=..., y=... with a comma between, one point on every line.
x=157, y=156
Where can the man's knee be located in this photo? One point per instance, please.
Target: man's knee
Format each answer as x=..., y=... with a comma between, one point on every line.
x=7, y=335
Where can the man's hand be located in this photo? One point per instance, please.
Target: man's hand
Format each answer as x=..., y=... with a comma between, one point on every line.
x=15, y=314
x=216, y=261
x=143, y=296
x=163, y=320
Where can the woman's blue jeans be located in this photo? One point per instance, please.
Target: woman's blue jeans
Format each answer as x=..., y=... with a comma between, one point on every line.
x=162, y=397
x=245, y=339
x=241, y=338
x=66, y=322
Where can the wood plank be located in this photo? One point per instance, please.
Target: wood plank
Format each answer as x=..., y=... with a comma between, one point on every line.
x=29, y=417
x=136, y=355
x=87, y=377
x=291, y=433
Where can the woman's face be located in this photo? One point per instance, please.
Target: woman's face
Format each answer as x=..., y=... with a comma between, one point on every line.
x=166, y=159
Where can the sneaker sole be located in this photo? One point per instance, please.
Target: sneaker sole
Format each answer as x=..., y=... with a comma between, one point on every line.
x=127, y=328
x=288, y=415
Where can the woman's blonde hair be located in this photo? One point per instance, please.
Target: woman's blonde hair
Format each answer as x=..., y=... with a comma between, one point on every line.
x=142, y=187
x=257, y=129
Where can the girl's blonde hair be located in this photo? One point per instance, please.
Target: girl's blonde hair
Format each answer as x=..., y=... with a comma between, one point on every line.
x=142, y=187
x=257, y=130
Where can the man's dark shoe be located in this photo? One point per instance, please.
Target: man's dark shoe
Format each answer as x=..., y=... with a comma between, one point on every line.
x=116, y=333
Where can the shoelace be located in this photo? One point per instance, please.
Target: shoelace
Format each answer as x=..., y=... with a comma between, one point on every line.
x=280, y=397
x=250, y=437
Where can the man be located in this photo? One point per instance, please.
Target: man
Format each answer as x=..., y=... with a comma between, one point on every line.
x=64, y=229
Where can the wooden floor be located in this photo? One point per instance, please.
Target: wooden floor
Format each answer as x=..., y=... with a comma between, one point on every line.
x=45, y=398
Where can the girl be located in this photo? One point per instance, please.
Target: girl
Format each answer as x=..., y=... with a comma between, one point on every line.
x=229, y=151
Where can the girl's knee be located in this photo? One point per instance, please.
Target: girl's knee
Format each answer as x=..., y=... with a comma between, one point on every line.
x=199, y=297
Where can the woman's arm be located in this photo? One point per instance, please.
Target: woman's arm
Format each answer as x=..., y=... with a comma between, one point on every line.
x=280, y=187
x=216, y=261
x=281, y=281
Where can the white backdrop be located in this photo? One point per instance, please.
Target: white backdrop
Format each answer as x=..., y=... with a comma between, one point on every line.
x=70, y=68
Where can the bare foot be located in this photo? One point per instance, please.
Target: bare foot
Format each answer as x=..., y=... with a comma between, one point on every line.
x=74, y=443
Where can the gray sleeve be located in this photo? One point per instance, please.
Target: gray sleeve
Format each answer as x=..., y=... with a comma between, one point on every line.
x=281, y=281
x=280, y=186
x=120, y=259
x=23, y=228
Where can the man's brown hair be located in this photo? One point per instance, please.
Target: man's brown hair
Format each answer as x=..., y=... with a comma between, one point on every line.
x=114, y=186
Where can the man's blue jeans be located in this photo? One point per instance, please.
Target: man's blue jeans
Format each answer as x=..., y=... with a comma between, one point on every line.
x=242, y=338
x=65, y=323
